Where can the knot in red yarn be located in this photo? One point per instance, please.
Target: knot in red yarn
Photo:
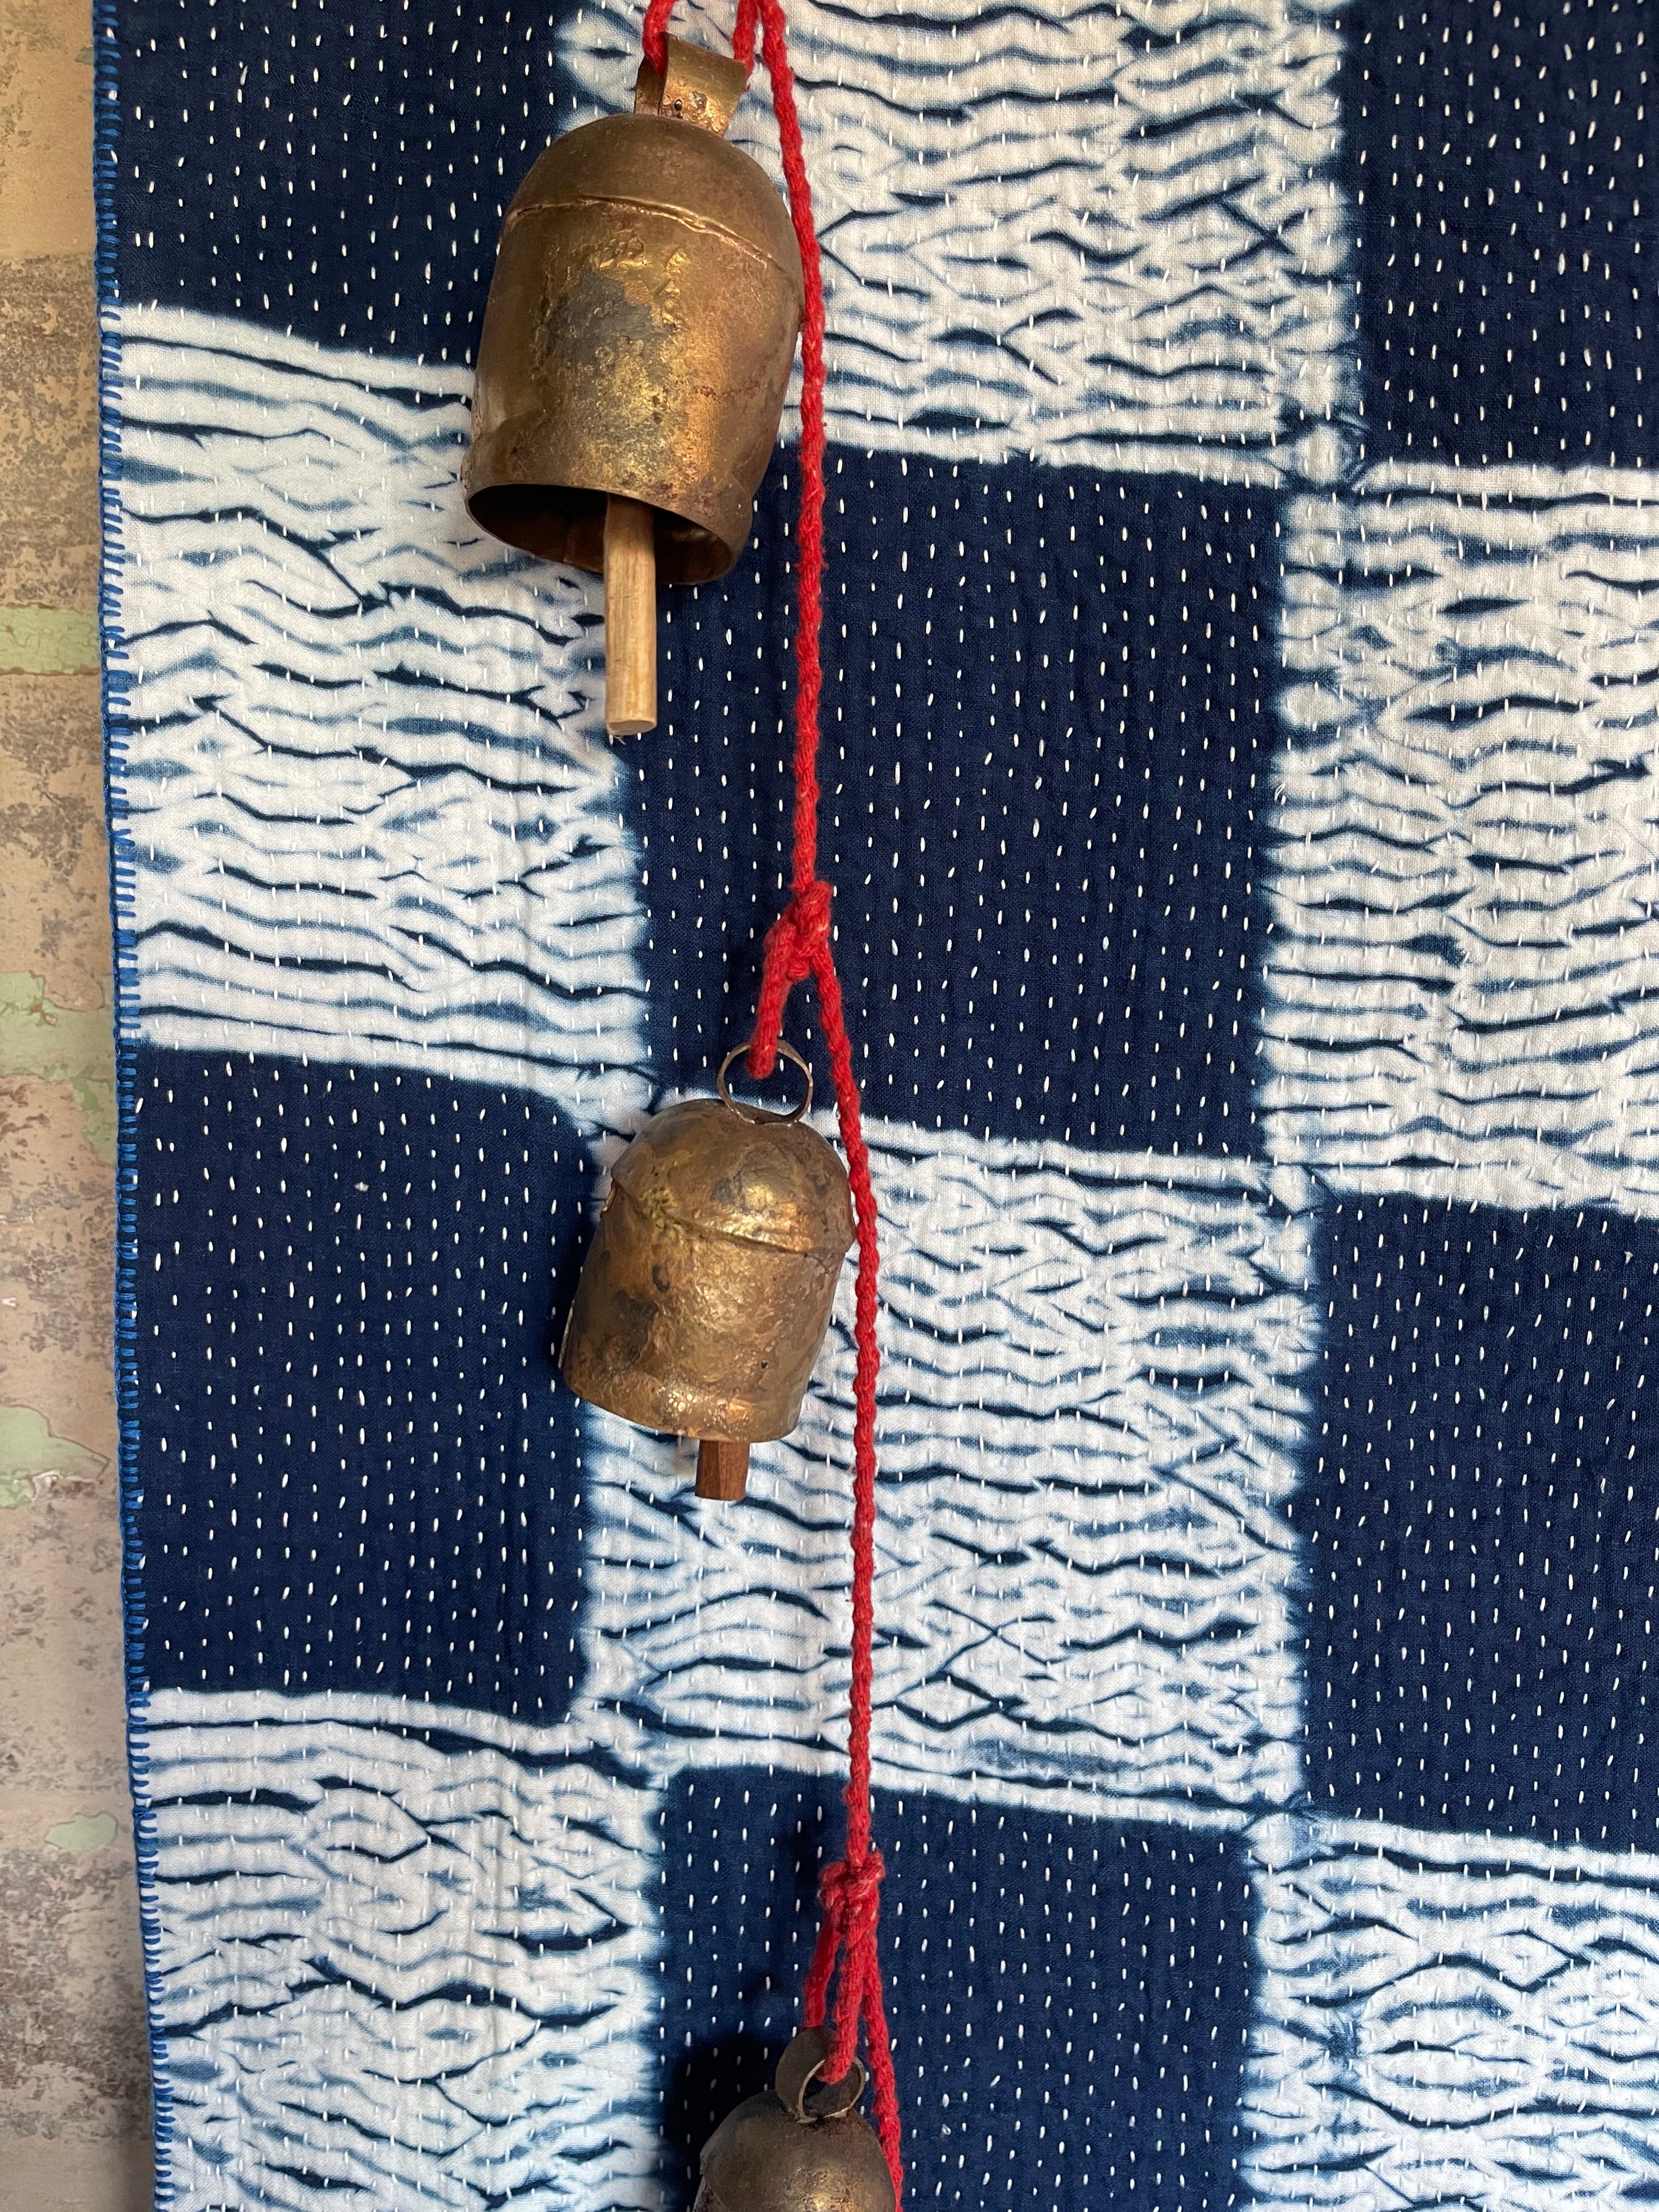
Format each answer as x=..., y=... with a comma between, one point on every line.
x=799, y=933
x=797, y=946
x=851, y=1897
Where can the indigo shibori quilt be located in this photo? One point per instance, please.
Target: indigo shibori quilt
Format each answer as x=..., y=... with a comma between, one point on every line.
x=1241, y=726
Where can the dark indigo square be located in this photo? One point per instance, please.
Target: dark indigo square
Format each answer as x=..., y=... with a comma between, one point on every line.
x=1069, y=1998
x=1507, y=249
x=1481, y=1522
x=1047, y=728
x=355, y=1468
x=335, y=173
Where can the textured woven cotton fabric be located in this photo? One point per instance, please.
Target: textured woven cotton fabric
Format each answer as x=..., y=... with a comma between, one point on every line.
x=1242, y=652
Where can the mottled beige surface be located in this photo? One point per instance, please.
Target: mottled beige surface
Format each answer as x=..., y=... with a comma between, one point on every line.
x=74, y=2128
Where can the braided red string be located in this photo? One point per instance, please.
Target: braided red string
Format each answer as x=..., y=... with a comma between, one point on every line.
x=798, y=945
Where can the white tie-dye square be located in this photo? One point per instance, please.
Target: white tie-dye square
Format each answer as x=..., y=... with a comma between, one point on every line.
x=1448, y=2019
x=1461, y=998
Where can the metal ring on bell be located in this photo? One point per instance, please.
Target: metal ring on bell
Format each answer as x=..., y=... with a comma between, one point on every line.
x=765, y=1113
x=797, y=2079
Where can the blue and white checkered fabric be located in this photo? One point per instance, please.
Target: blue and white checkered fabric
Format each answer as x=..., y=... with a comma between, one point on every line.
x=1243, y=643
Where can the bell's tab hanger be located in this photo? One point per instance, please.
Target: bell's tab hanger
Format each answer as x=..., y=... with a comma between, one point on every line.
x=700, y=87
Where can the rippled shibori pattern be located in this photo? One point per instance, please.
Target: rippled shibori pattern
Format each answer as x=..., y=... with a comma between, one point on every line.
x=1442, y=2021
x=404, y=1952
x=1462, y=985
x=372, y=806
x=1102, y=237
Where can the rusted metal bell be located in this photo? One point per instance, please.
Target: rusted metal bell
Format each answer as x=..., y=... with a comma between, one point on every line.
x=636, y=349
x=705, y=1297
x=800, y=2146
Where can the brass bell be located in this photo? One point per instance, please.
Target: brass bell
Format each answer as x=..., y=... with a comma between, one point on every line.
x=636, y=349
x=799, y=2147
x=706, y=1294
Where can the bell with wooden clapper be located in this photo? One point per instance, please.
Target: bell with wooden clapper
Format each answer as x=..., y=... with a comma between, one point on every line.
x=636, y=349
x=800, y=2146
x=706, y=1293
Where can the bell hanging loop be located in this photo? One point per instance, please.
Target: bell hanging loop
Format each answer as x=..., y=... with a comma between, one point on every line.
x=636, y=353
x=801, y=2145
x=705, y=1296
x=785, y=1051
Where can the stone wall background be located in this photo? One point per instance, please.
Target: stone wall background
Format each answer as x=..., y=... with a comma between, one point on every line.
x=74, y=2118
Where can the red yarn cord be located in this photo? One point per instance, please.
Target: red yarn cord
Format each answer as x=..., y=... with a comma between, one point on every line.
x=798, y=945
